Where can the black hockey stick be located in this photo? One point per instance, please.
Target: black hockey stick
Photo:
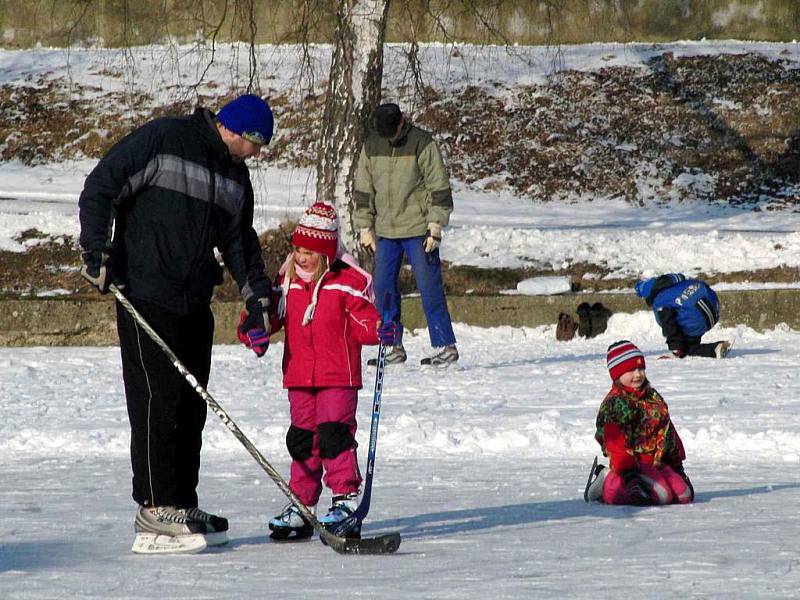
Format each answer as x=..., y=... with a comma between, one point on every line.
x=360, y=513
x=383, y=544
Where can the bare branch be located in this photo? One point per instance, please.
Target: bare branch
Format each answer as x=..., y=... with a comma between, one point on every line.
x=253, y=75
x=214, y=34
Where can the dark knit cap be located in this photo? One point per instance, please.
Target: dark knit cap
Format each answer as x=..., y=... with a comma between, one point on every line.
x=385, y=119
x=248, y=116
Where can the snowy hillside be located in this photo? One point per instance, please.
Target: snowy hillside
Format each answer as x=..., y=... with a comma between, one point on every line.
x=680, y=224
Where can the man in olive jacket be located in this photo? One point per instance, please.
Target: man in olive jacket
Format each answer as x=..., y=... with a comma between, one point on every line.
x=403, y=200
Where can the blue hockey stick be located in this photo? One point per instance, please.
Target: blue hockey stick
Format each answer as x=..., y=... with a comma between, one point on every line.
x=350, y=523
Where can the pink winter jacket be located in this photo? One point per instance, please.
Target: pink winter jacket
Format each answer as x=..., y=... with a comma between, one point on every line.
x=326, y=352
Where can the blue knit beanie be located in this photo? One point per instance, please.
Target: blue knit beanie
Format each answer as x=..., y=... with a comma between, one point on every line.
x=248, y=116
x=643, y=287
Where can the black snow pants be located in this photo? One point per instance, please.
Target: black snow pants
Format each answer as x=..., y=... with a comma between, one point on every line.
x=695, y=348
x=166, y=415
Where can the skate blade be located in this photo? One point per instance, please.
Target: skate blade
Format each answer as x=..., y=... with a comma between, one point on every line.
x=218, y=538
x=290, y=536
x=589, y=481
x=290, y=540
x=153, y=543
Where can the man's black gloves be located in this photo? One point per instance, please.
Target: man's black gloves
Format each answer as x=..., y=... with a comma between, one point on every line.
x=253, y=331
x=96, y=270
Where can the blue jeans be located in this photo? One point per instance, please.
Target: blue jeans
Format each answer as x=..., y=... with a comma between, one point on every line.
x=427, y=270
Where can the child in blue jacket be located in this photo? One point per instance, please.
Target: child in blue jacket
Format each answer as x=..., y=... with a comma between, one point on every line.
x=685, y=309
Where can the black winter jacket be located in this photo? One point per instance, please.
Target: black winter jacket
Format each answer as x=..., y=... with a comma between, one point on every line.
x=173, y=193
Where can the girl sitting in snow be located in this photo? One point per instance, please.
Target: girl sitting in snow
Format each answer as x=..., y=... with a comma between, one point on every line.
x=327, y=312
x=636, y=434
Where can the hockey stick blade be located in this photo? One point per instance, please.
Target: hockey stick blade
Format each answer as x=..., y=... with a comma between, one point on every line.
x=381, y=544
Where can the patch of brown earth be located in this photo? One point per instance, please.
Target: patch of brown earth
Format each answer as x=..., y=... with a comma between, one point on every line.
x=53, y=265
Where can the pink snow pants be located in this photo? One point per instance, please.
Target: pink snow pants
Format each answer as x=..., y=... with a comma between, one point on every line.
x=310, y=407
x=666, y=486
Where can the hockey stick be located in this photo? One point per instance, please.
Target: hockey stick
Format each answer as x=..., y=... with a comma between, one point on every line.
x=354, y=520
x=383, y=544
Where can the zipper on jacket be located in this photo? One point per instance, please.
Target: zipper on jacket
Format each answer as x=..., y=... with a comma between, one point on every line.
x=391, y=174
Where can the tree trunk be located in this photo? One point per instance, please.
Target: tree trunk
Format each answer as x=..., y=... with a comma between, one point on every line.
x=354, y=89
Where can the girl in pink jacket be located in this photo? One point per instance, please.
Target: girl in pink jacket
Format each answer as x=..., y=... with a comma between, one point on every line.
x=327, y=313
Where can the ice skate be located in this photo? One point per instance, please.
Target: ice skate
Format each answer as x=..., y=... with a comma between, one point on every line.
x=594, y=485
x=342, y=507
x=153, y=543
x=216, y=527
x=290, y=526
x=722, y=349
x=395, y=355
x=444, y=357
x=168, y=530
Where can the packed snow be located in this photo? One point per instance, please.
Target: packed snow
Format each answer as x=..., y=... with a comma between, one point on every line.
x=480, y=467
x=544, y=286
x=486, y=229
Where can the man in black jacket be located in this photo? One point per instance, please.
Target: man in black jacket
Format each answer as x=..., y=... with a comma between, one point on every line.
x=152, y=212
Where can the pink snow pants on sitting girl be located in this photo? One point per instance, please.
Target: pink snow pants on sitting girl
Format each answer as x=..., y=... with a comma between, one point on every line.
x=666, y=485
x=322, y=436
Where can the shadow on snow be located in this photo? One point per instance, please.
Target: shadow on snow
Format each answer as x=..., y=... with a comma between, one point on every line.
x=443, y=523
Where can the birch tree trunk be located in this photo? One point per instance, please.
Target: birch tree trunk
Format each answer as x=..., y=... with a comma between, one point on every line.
x=354, y=89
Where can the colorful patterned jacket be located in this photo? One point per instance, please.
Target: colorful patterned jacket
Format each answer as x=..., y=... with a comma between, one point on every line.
x=633, y=426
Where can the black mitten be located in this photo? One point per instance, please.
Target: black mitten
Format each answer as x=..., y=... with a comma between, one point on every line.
x=636, y=487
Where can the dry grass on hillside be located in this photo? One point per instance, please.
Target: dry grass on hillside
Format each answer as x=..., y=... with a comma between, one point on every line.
x=616, y=132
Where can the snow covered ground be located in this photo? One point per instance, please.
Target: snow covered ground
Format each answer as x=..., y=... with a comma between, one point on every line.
x=487, y=229
x=480, y=467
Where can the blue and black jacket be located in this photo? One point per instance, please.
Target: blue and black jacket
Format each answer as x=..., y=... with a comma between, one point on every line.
x=159, y=203
x=684, y=308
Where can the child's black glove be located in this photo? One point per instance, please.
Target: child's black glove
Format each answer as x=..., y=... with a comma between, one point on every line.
x=636, y=487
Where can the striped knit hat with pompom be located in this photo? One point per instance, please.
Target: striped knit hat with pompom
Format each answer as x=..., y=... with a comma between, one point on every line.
x=623, y=356
x=318, y=230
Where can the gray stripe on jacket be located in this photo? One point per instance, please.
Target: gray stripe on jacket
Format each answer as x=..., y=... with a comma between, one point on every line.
x=186, y=177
